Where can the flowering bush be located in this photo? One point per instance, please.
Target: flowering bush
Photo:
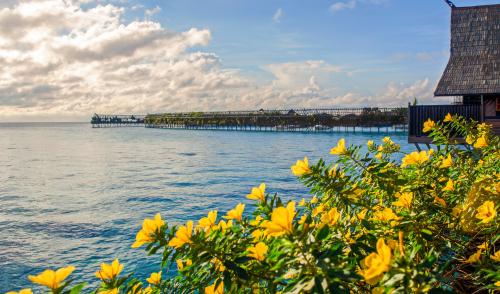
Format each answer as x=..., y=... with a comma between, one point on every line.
x=427, y=224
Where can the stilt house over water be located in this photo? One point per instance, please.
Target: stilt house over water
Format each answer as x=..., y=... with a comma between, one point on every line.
x=472, y=75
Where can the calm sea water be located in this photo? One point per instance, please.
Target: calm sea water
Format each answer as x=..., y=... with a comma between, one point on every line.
x=73, y=195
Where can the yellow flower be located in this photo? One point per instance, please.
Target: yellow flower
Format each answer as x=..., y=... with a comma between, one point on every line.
x=415, y=157
x=218, y=264
x=148, y=232
x=450, y=186
x=302, y=219
x=281, y=220
x=258, y=251
x=497, y=283
x=385, y=215
x=404, y=200
x=212, y=290
x=474, y=257
x=258, y=234
x=448, y=117
x=483, y=245
x=319, y=209
x=314, y=200
x=496, y=256
x=223, y=225
x=446, y=162
x=236, y=213
x=181, y=265
x=302, y=202
x=137, y=289
x=23, y=291
x=109, y=271
x=483, y=127
x=428, y=125
x=481, y=142
x=486, y=212
x=362, y=214
x=256, y=221
x=387, y=140
x=339, y=149
x=335, y=171
x=378, y=156
x=258, y=193
x=331, y=217
x=52, y=279
x=182, y=236
x=392, y=244
x=440, y=201
x=155, y=278
x=208, y=222
x=376, y=264
x=370, y=143
x=301, y=167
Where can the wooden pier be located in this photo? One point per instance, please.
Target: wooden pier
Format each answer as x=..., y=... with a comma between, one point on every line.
x=299, y=120
x=113, y=120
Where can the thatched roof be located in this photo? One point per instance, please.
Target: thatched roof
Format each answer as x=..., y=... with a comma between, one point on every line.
x=474, y=66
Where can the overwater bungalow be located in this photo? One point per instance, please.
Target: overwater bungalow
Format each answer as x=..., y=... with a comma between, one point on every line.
x=472, y=75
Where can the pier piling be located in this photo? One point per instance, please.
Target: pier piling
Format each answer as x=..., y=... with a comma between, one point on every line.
x=299, y=120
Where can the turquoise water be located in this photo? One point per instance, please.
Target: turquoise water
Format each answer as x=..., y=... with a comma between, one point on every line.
x=70, y=194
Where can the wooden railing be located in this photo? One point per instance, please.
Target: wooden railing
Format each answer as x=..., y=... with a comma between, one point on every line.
x=115, y=120
x=289, y=119
x=418, y=114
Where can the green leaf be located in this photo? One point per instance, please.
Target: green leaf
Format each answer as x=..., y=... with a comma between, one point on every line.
x=395, y=280
x=77, y=289
x=240, y=272
x=323, y=233
x=227, y=281
x=242, y=259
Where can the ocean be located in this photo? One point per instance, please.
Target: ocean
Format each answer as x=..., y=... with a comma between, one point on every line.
x=73, y=195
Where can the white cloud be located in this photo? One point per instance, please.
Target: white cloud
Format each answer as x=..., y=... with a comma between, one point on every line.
x=59, y=58
x=337, y=6
x=297, y=74
x=399, y=94
x=351, y=4
x=313, y=95
x=62, y=61
x=136, y=7
x=150, y=12
x=278, y=15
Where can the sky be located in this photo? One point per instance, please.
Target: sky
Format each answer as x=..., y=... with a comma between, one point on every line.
x=63, y=60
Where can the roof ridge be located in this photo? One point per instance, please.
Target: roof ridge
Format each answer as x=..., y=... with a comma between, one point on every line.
x=476, y=6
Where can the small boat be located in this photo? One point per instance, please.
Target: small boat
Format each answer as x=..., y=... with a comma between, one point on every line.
x=321, y=128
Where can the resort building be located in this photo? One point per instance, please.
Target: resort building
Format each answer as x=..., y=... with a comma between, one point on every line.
x=472, y=75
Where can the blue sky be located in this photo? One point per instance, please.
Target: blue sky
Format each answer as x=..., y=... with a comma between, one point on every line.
x=70, y=59
x=382, y=40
